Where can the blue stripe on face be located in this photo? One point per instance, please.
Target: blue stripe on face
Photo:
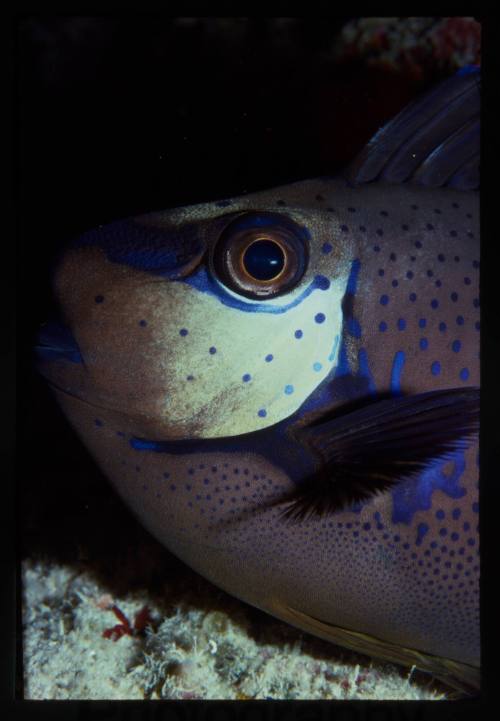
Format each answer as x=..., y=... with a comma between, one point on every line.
x=204, y=282
x=397, y=368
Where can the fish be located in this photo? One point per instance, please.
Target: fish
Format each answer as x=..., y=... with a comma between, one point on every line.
x=284, y=387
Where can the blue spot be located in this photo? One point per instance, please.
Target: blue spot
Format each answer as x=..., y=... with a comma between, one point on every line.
x=262, y=413
x=475, y=507
x=317, y=366
x=422, y=323
x=326, y=248
x=394, y=283
x=413, y=297
x=322, y=282
x=298, y=334
x=442, y=327
x=212, y=350
x=460, y=320
x=423, y=343
x=455, y=536
x=376, y=248
x=190, y=378
x=289, y=390
x=422, y=529
x=246, y=377
x=464, y=374
x=268, y=358
x=401, y=324
x=456, y=346
x=454, y=297
x=384, y=299
x=434, y=303
x=436, y=368
x=183, y=331
x=382, y=326
x=397, y=368
x=440, y=514
x=143, y=323
x=409, y=274
x=456, y=513
x=319, y=317
x=98, y=422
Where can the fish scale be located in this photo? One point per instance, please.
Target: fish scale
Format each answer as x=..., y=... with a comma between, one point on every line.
x=307, y=441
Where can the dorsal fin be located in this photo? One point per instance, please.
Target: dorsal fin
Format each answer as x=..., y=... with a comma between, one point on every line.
x=434, y=141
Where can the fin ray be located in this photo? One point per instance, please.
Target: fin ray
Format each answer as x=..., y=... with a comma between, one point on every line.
x=423, y=144
x=368, y=451
x=460, y=676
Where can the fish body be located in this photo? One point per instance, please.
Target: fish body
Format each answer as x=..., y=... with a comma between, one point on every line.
x=281, y=386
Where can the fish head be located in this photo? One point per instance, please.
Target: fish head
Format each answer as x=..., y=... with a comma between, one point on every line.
x=204, y=323
x=312, y=349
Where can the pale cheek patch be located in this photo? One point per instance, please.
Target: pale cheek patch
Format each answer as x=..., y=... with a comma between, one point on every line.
x=234, y=371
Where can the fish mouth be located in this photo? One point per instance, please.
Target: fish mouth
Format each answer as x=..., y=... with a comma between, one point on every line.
x=55, y=341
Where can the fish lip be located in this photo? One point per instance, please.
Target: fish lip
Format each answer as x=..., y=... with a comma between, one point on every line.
x=55, y=341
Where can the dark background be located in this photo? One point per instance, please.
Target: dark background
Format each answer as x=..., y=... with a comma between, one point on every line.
x=117, y=116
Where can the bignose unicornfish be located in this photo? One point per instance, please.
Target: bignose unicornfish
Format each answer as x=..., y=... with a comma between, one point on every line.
x=284, y=387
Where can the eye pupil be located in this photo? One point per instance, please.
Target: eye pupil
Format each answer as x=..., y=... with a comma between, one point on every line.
x=264, y=260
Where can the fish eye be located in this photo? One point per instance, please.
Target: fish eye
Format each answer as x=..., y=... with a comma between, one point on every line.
x=261, y=255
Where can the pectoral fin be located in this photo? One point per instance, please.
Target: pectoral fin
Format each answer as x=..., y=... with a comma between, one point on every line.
x=370, y=450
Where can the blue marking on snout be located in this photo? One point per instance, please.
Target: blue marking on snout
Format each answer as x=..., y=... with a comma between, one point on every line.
x=161, y=251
